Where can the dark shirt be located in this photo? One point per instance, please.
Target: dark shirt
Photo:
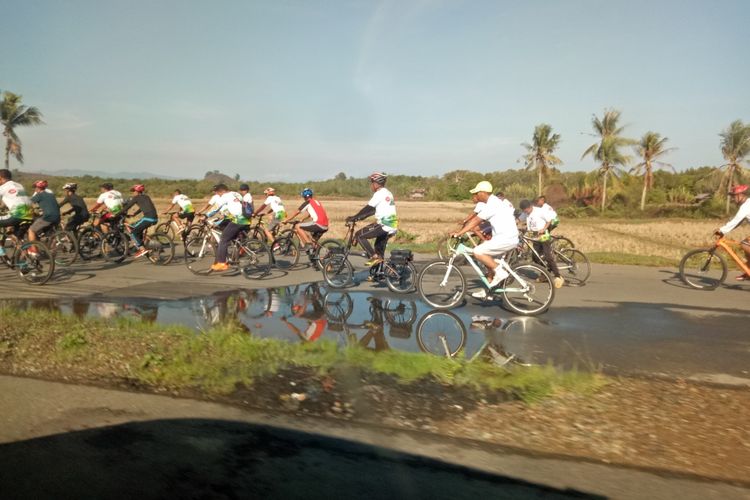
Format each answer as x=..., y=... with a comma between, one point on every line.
x=77, y=204
x=48, y=204
x=144, y=204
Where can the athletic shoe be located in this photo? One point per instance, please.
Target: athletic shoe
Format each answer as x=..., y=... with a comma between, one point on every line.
x=742, y=277
x=373, y=261
x=481, y=294
x=500, y=275
x=140, y=253
x=220, y=266
x=558, y=281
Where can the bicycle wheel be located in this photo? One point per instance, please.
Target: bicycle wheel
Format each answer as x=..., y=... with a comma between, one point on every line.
x=285, y=252
x=255, y=259
x=337, y=270
x=703, y=269
x=201, y=256
x=400, y=312
x=441, y=333
x=64, y=247
x=34, y=262
x=338, y=306
x=441, y=286
x=529, y=294
x=323, y=252
x=400, y=278
x=160, y=249
x=574, y=266
x=89, y=243
x=166, y=229
x=561, y=243
x=114, y=246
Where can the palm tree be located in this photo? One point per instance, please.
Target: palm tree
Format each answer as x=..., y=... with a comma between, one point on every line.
x=650, y=148
x=735, y=145
x=14, y=114
x=607, y=150
x=540, y=155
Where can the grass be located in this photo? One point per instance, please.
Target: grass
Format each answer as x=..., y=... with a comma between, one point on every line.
x=631, y=259
x=221, y=360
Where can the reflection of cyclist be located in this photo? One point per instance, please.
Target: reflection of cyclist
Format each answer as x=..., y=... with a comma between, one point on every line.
x=315, y=317
x=383, y=206
x=740, y=196
x=77, y=207
x=538, y=230
x=150, y=217
x=494, y=329
x=318, y=220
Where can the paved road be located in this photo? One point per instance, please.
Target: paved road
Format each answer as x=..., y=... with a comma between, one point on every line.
x=67, y=441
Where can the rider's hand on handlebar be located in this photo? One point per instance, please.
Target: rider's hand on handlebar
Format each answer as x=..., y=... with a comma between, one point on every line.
x=718, y=234
x=350, y=219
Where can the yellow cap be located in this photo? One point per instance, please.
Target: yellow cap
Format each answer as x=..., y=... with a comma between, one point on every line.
x=484, y=187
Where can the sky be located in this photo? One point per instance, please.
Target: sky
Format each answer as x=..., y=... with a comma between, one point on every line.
x=302, y=90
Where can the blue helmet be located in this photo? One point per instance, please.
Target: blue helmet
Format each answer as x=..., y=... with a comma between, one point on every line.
x=307, y=193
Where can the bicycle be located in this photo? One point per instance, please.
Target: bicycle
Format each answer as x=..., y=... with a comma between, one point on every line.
x=398, y=272
x=573, y=264
x=284, y=248
x=172, y=228
x=250, y=256
x=32, y=260
x=63, y=244
x=706, y=269
x=528, y=289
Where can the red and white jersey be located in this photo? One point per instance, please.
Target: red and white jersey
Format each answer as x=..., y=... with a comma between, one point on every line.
x=316, y=211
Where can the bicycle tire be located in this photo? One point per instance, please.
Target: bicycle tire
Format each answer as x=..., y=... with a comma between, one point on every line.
x=323, y=250
x=574, y=266
x=64, y=247
x=285, y=252
x=698, y=269
x=404, y=313
x=89, y=243
x=338, y=306
x=166, y=229
x=436, y=342
x=338, y=271
x=562, y=242
x=256, y=260
x=160, y=249
x=536, y=279
x=436, y=294
x=201, y=257
x=114, y=247
x=400, y=278
x=34, y=268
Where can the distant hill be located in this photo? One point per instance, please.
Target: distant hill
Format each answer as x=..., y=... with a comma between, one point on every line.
x=218, y=177
x=72, y=172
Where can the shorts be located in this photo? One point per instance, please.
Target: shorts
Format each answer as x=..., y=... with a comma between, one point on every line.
x=109, y=217
x=494, y=248
x=40, y=225
x=187, y=215
x=273, y=223
x=313, y=227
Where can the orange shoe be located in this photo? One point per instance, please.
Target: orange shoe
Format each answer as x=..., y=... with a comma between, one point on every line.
x=220, y=266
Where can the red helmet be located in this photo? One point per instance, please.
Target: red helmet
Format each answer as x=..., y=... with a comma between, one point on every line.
x=41, y=184
x=138, y=188
x=738, y=189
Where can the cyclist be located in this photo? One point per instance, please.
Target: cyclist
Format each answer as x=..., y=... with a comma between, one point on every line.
x=537, y=226
x=318, y=223
x=247, y=200
x=187, y=211
x=383, y=206
x=111, y=199
x=272, y=204
x=504, y=233
x=150, y=216
x=212, y=202
x=230, y=205
x=547, y=211
x=14, y=197
x=484, y=229
x=77, y=207
x=50, y=210
x=504, y=200
x=740, y=195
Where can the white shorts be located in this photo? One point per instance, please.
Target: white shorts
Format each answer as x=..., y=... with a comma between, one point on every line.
x=494, y=248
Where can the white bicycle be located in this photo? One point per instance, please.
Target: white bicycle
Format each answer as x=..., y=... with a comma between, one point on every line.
x=528, y=290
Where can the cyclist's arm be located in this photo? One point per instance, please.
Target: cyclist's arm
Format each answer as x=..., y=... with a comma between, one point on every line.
x=364, y=213
x=295, y=214
x=469, y=226
x=742, y=213
x=169, y=208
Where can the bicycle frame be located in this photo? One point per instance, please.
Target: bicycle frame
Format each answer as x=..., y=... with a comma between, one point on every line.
x=468, y=254
x=726, y=244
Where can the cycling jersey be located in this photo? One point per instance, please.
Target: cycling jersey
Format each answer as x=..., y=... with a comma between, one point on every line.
x=742, y=213
x=276, y=205
x=48, y=204
x=247, y=204
x=548, y=212
x=316, y=211
x=385, y=210
x=230, y=204
x=112, y=200
x=144, y=204
x=185, y=203
x=77, y=204
x=315, y=329
x=14, y=197
x=506, y=202
x=504, y=230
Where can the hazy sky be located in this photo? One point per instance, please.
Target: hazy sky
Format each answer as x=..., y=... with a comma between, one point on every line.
x=304, y=89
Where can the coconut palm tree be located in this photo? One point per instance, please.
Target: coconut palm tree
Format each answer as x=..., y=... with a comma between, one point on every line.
x=607, y=150
x=540, y=155
x=650, y=148
x=13, y=114
x=735, y=145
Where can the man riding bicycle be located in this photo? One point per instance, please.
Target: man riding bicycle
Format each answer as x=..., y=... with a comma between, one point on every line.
x=14, y=197
x=50, y=210
x=740, y=196
x=77, y=207
x=187, y=212
x=229, y=204
x=274, y=205
x=318, y=220
x=383, y=206
x=547, y=212
x=111, y=199
x=504, y=233
x=537, y=226
x=150, y=216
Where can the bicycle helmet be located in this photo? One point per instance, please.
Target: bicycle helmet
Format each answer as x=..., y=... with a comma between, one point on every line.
x=378, y=178
x=739, y=189
x=307, y=193
x=70, y=186
x=269, y=190
x=108, y=186
x=41, y=184
x=244, y=187
x=138, y=188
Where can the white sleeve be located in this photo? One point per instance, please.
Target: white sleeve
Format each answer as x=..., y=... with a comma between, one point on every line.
x=101, y=198
x=174, y=200
x=742, y=213
x=374, y=200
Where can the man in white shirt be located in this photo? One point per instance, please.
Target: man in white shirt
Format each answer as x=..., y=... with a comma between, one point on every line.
x=275, y=206
x=383, y=206
x=112, y=201
x=537, y=226
x=186, y=212
x=504, y=232
x=740, y=196
x=548, y=211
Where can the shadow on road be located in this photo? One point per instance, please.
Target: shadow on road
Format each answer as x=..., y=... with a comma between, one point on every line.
x=223, y=459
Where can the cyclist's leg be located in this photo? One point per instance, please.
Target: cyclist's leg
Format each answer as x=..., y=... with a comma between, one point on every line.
x=545, y=247
x=231, y=231
x=74, y=223
x=136, y=234
x=381, y=242
x=365, y=234
x=37, y=227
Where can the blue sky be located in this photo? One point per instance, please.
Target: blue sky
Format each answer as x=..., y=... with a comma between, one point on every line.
x=305, y=89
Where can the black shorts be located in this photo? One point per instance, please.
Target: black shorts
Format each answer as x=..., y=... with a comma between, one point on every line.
x=187, y=215
x=312, y=227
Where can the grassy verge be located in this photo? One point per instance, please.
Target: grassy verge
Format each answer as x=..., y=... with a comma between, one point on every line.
x=223, y=360
x=631, y=259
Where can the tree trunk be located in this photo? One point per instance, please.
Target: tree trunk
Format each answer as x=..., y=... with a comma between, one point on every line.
x=539, y=191
x=604, y=188
x=7, y=154
x=730, y=179
x=643, y=195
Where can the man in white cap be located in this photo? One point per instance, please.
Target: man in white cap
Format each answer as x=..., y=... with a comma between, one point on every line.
x=504, y=233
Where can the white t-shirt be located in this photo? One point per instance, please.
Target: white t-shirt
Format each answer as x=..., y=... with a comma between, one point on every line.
x=276, y=205
x=500, y=216
x=385, y=210
x=112, y=200
x=742, y=213
x=548, y=212
x=535, y=221
x=214, y=200
x=506, y=201
x=230, y=204
x=184, y=202
x=14, y=197
x=248, y=198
